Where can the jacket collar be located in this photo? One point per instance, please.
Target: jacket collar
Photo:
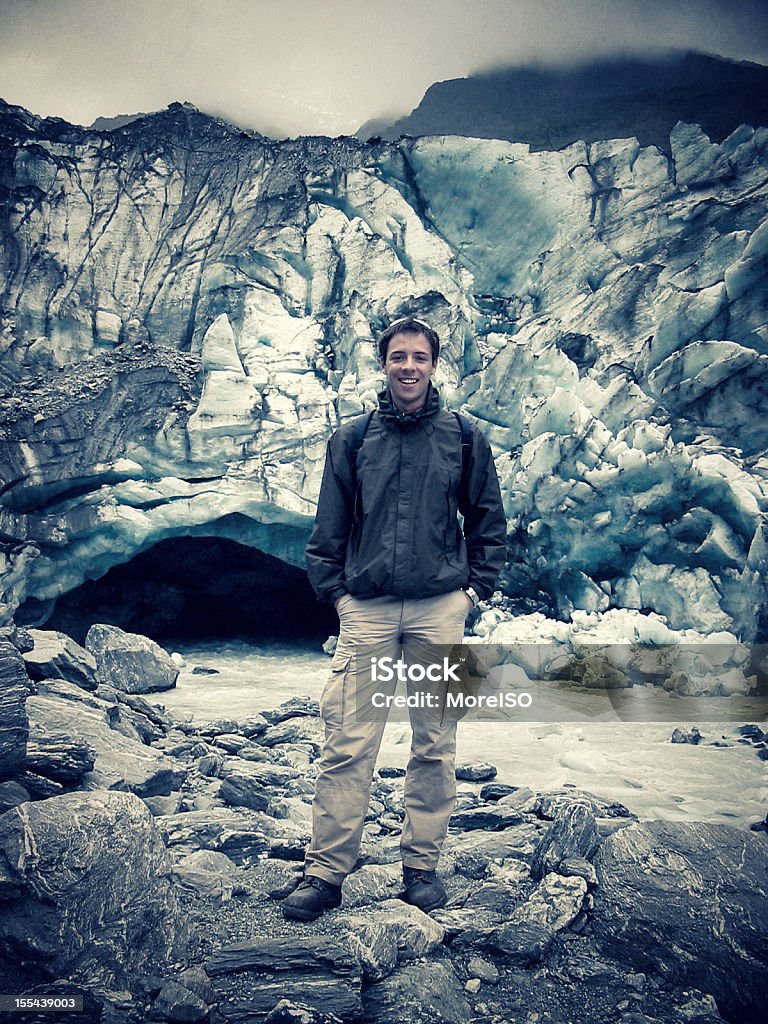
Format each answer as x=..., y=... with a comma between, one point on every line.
x=391, y=414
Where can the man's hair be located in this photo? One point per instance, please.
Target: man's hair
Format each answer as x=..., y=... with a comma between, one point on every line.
x=408, y=325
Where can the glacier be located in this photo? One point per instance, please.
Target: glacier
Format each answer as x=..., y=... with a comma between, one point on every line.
x=187, y=311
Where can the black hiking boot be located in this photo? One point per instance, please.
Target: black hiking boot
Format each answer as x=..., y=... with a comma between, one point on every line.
x=423, y=889
x=311, y=898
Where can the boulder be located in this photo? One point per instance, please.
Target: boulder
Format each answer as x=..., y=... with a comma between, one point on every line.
x=61, y=758
x=391, y=926
x=573, y=833
x=426, y=992
x=689, y=900
x=57, y=656
x=121, y=763
x=14, y=727
x=85, y=889
x=241, y=833
x=208, y=873
x=552, y=906
x=129, y=661
x=319, y=971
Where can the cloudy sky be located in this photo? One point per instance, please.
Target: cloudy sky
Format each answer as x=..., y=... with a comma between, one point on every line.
x=324, y=66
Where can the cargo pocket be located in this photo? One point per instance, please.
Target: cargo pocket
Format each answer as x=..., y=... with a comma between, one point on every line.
x=332, y=700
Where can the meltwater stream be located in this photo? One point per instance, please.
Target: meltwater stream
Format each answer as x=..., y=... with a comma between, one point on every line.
x=632, y=762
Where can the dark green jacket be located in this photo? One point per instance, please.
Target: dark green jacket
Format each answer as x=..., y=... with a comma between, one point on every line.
x=389, y=525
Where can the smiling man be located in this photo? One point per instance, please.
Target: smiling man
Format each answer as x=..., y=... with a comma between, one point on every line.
x=388, y=549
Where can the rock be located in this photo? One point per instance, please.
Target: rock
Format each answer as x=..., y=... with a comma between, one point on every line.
x=288, y=1012
x=121, y=763
x=60, y=758
x=294, y=730
x=573, y=833
x=14, y=727
x=472, y=986
x=241, y=789
x=496, y=790
x=210, y=765
x=240, y=833
x=317, y=970
x=296, y=707
x=200, y=670
x=373, y=883
x=578, y=867
x=177, y=1003
x=476, y=772
x=550, y=805
x=85, y=891
x=413, y=932
x=271, y=776
x=57, y=656
x=551, y=907
x=686, y=735
x=196, y=980
x=208, y=873
x=689, y=900
x=160, y=805
x=231, y=742
x=11, y=795
x=484, y=970
x=476, y=848
x=129, y=661
x=253, y=726
x=427, y=992
x=490, y=817
x=388, y=772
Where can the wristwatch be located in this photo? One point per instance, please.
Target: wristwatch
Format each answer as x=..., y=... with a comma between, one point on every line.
x=473, y=595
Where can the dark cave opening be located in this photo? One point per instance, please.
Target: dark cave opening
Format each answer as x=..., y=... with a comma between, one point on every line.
x=197, y=588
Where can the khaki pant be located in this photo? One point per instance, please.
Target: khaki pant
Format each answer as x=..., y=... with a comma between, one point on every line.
x=379, y=627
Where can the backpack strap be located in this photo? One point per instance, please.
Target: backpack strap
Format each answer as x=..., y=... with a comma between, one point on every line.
x=466, y=454
x=361, y=425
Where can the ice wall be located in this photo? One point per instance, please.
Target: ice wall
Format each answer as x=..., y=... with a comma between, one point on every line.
x=189, y=311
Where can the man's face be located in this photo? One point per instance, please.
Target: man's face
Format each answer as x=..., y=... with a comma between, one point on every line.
x=408, y=367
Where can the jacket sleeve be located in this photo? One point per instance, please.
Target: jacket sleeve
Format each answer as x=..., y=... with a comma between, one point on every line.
x=485, y=523
x=327, y=546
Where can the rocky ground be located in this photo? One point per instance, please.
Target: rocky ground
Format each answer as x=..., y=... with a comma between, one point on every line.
x=142, y=860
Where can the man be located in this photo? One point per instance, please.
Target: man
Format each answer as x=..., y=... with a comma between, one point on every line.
x=388, y=550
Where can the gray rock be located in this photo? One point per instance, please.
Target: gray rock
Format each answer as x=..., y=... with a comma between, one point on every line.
x=296, y=707
x=177, y=1003
x=129, y=661
x=60, y=758
x=288, y=1012
x=573, y=833
x=489, y=817
x=231, y=742
x=210, y=765
x=121, y=763
x=427, y=992
x=208, y=873
x=196, y=980
x=414, y=933
x=243, y=790
x=476, y=772
x=240, y=833
x=14, y=727
x=85, y=891
x=686, y=735
x=57, y=656
x=160, y=805
x=689, y=900
x=552, y=906
x=11, y=795
x=372, y=883
x=318, y=970
x=294, y=730
x=272, y=776
x=578, y=867
x=484, y=970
